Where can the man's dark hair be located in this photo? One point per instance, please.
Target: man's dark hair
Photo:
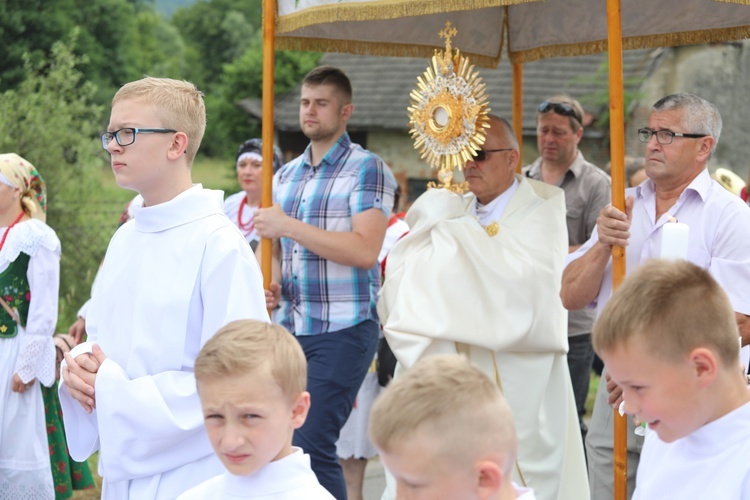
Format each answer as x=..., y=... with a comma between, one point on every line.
x=328, y=75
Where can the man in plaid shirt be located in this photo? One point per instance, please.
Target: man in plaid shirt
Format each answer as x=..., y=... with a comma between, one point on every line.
x=330, y=217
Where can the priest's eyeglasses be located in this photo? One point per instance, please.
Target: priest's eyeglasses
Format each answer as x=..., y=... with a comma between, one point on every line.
x=664, y=137
x=481, y=154
x=126, y=136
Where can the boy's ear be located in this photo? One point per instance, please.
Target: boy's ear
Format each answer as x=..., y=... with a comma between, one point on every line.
x=299, y=409
x=178, y=146
x=704, y=365
x=490, y=478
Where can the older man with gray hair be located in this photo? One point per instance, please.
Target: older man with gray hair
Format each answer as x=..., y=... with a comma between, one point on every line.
x=681, y=136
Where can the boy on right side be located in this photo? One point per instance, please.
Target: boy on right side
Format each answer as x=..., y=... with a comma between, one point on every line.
x=445, y=431
x=669, y=337
x=251, y=379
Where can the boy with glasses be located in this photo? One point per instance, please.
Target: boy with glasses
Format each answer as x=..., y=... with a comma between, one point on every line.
x=171, y=278
x=587, y=189
x=679, y=186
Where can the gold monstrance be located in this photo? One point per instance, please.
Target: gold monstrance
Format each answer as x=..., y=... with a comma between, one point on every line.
x=448, y=112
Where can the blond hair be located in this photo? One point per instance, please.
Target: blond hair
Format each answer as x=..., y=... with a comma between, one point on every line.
x=246, y=346
x=178, y=104
x=461, y=409
x=673, y=307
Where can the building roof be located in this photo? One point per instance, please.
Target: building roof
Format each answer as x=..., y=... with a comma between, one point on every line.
x=381, y=87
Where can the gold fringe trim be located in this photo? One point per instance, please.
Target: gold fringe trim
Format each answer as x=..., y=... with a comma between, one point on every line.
x=632, y=43
x=741, y=2
x=374, y=49
x=381, y=10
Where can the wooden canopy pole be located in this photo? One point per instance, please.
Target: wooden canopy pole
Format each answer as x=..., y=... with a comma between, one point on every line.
x=518, y=111
x=266, y=197
x=617, y=157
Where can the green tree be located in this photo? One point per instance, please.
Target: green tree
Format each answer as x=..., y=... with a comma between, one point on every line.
x=121, y=39
x=216, y=32
x=52, y=121
x=158, y=47
x=229, y=125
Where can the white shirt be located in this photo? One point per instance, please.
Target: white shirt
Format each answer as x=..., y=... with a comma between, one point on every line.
x=232, y=209
x=719, y=226
x=289, y=478
x=709, y=463
x=171, y=278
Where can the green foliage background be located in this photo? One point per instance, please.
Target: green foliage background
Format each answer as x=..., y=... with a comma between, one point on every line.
x=60, y=65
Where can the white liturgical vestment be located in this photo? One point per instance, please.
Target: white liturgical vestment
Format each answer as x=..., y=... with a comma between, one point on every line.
x=171, y=278
x=450, y=287
x=289, y=478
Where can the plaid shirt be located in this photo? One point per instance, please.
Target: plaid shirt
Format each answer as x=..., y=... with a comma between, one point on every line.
x=318, y=295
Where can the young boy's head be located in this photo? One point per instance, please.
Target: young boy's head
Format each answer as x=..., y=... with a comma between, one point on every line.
x=251, y=379
x=669, y=338
x=444, y=430
x=155, y=128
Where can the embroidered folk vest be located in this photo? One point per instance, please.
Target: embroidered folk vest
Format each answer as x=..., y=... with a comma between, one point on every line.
x=15, y=290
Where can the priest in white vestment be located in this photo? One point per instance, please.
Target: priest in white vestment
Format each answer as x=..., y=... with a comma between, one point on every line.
x=480, y=274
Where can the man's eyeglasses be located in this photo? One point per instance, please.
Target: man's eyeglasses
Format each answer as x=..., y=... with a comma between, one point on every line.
x=664, y=137
x=126, y=136
x=560, y=108
x=481, y=154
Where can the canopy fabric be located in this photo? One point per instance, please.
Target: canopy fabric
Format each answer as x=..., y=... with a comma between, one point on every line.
x=533, y=29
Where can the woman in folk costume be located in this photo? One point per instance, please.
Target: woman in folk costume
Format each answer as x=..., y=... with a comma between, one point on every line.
x=240, y=207
x=29, y=262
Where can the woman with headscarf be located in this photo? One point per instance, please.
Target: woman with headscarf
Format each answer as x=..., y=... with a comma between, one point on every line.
x=240, y=207
x=29, y=284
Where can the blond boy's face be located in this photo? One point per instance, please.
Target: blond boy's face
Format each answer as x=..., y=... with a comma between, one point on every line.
x=421, y=472
x=139, y=166
x=660, y=393
x=249, y=420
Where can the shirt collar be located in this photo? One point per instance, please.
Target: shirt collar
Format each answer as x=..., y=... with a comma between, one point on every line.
x=701, y=185
x=333, y=155
x=535, y=169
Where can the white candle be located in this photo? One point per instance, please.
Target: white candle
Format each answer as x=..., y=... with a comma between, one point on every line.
x=674, y=240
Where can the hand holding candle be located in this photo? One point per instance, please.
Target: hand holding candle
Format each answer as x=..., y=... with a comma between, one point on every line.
x=674, y=240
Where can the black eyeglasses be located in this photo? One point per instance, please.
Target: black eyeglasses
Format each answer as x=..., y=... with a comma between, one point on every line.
x=664, y=137
x=126, y=136
x=560, y=108
x=481, y=154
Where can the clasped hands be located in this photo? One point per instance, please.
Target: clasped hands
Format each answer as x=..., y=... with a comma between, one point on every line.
x=79, y=376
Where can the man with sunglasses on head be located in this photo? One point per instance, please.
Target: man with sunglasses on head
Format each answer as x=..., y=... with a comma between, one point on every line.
x=479, y=274
x=681, y=137
x=559, y=129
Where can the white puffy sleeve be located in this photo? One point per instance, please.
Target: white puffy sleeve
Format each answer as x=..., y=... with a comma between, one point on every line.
x=36, y=356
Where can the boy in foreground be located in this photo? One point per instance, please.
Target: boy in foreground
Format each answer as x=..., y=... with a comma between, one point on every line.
x=172, y=276
x=251, y=379
x=444, y=431
x=669, y=337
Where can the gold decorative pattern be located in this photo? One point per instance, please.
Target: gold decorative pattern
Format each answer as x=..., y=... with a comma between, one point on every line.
x=448, y=112
x=492, y=229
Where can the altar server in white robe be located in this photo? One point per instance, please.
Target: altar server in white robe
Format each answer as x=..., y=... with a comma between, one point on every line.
x=480, y=274
x=171, y=278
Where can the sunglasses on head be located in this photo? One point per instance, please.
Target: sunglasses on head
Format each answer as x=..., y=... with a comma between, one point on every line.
x=481, y=154
x=560, y=108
